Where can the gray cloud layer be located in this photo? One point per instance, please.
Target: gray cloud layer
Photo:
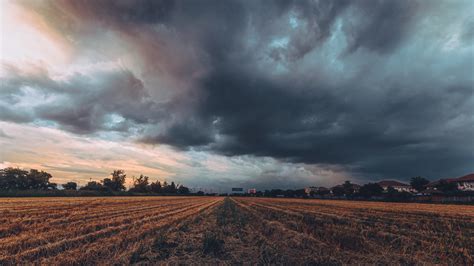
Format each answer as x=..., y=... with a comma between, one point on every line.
x=384, y=87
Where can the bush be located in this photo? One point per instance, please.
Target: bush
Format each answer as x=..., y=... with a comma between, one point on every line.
x=370, y=190
x=70, y=186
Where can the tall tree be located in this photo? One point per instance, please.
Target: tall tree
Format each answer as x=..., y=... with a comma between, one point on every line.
x=117, y=182
x=419, y=183
x=338, y=191
x=141, y=184
x=13, y=178
x=348, y=188
x=183, y=190
x=370, y=190
x=93, y=185
x=70, y=186
x=172, y=188
x=39, y=180
x=446, y=186
x=156, y=187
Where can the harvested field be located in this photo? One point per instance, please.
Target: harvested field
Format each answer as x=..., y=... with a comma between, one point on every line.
x=210, y=230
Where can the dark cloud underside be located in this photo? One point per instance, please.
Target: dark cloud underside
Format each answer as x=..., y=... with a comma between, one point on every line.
x=385, y=87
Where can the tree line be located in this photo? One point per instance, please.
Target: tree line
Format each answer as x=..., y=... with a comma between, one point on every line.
x=349, y=190
x=12, y=179
x=16, y=179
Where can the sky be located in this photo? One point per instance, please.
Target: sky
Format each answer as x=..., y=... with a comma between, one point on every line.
x=218, y=94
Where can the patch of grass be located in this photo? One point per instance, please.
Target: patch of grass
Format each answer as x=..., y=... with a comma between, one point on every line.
x=269, y=255
x=14, y=229
x=136, y=255
x=160, y=241
x=212, y=244
x=163, y=246
x=184, y=227
x=229, y=214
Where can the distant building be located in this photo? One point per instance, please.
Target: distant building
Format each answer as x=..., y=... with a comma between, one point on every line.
x=465, y=183
x=398, y=186
x=252, y=191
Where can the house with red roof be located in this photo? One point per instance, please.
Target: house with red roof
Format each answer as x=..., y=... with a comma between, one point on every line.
x=398, y=186
x=465, y=183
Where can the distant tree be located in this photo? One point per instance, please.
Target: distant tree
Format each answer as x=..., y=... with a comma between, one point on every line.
x=117, y=182
x=323, y=192
x=370, y=190
x=183, y=190
x=93, y=185
x=169, y=188
x=348, y=188
x=52, y=186
x=13, y=178
x=419, y=183
x=300, y=193
x=70, y=186
x=404, y=196
x=107, y=184
x=395, y=195
x=338, y=191
x=156, y=187
x=39, y=180
x=200, y=193
x=165, y=187
x=289, y=193
x=141, y=184
x=172, y=188
x=446, y=186
x=18, y=179
x=274, y=192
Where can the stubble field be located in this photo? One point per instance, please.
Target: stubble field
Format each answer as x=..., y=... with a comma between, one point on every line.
x=216, y=230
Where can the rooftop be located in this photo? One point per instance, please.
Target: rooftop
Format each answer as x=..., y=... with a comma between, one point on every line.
x=392, y=183
x=469, y=177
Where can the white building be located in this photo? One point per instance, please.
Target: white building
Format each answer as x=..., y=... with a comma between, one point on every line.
x=465, y=183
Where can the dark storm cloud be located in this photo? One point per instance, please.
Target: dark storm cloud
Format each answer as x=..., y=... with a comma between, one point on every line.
x=375, y=85
x=263, y=119
x=123, y=12
x=184, y=134
x=381, y=25
x=468, y=30
x=109, y=99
